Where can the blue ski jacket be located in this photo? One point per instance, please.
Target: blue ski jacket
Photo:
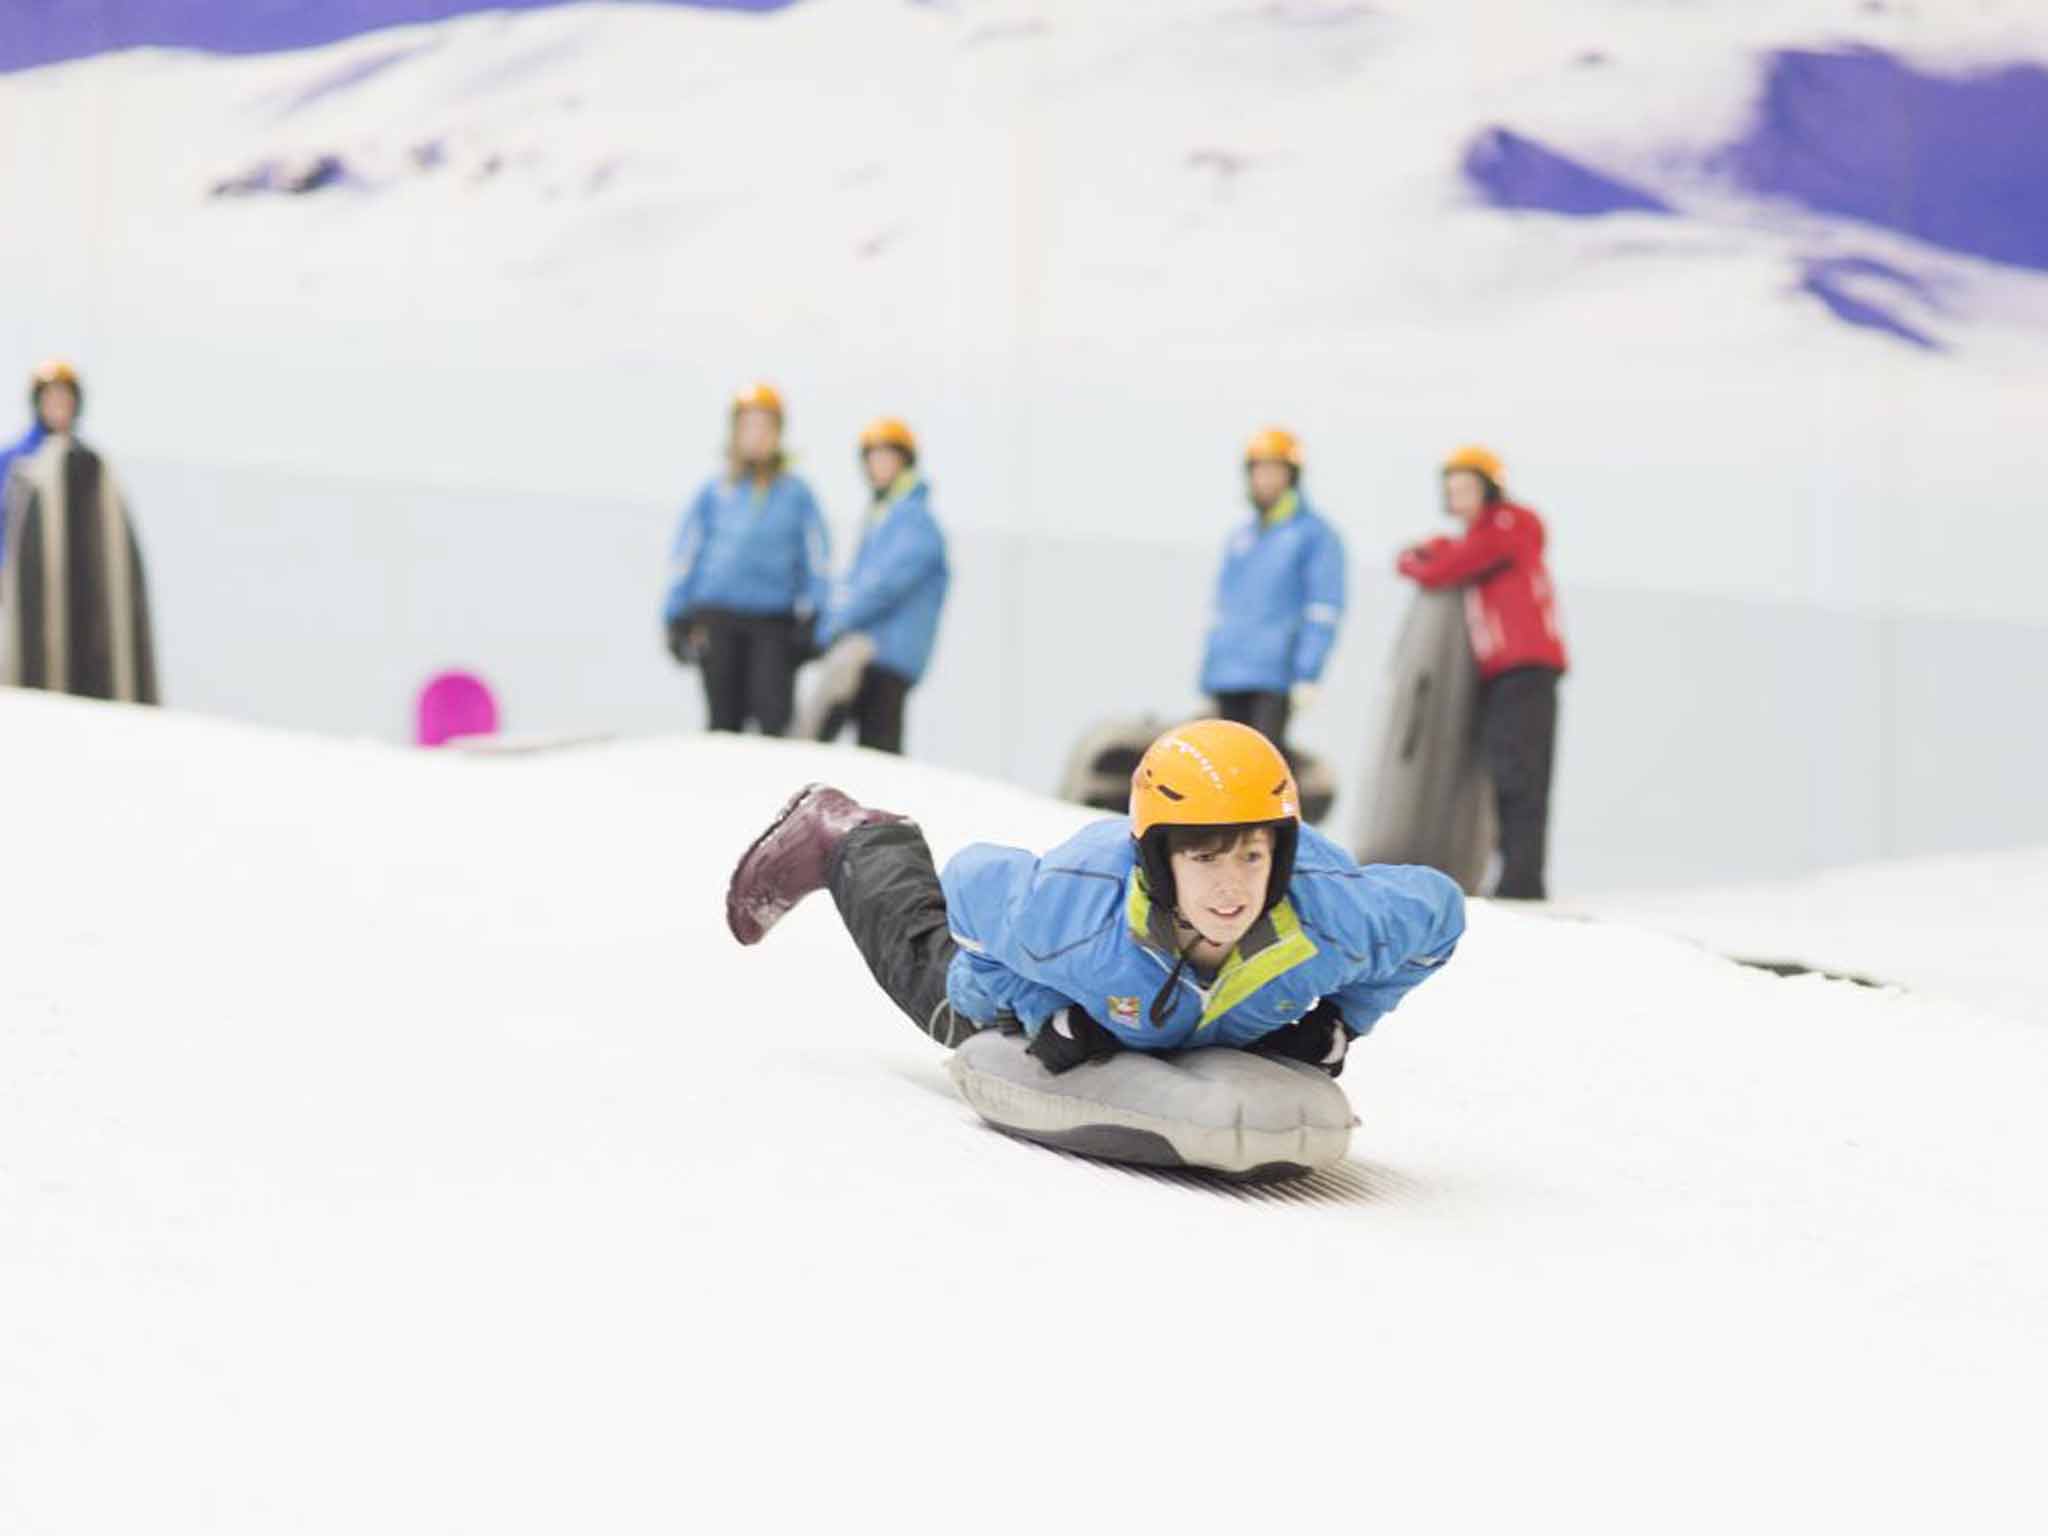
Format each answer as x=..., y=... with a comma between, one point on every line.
x=1077, y=926
x=1279, y=598
x=896, y=585
x=19, y=449
x=750, y=548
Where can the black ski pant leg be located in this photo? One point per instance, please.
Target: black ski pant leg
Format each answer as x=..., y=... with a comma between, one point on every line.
x=771, y=673
x=724, y=664
x=878, y=708
x=1265, y=712
x=836, y=719
x=887, y=888
x=1518, y=732
x=1270, y=713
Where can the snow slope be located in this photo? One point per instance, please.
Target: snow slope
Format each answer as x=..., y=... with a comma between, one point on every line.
x=397, y=1142
x=1966, y=928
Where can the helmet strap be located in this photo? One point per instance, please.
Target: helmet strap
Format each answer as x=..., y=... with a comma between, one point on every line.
x=1162, y=1000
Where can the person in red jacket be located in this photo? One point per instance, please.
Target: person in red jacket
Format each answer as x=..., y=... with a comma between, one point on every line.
x=1511, y=613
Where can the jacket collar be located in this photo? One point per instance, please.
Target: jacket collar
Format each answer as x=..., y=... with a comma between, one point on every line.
x=1281, y=511
x=900, y=490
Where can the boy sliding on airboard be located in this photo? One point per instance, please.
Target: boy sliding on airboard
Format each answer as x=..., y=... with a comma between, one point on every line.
x=1210, y=917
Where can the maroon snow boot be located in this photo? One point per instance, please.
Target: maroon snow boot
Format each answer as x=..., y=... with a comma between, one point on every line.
x=792, y=858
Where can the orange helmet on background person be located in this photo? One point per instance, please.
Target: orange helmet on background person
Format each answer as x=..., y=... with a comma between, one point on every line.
x=758, y=397
x=1276, y=444
x=1481, y=461
x=889, y=432
x=54, y=371
x=1213, y=773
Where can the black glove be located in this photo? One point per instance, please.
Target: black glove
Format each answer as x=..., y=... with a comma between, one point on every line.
x=1069, y=1038
x=685, y=640
x=1319, y=1037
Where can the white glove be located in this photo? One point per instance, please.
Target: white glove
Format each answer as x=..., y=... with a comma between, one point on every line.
x=840, y=668
x=837, y=681
x=1301, y=698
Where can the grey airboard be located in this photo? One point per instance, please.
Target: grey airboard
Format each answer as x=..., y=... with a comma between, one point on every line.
x=1228, y=1111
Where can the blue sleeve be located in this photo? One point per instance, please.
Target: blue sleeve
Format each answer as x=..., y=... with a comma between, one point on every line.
x=1421, y=916
x=991, y=896
x=28, y=443
x=913, y=555
x=985, y=989
x=1323, y=608
x=689, y=545
x=817, y=558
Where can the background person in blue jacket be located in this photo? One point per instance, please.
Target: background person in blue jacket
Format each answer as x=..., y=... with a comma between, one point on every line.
x=884, y=614
x=750, y=575
x=1279, y=597
x=1211, y=916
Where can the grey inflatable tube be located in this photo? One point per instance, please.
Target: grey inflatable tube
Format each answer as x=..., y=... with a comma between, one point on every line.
x=1431, y=801
x=1224, y=1111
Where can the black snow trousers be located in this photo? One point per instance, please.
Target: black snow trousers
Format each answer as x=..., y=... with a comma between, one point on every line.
x=749, y=667
x=1518, y=732
x=887, y=888
x=876, y=711
x=1266, y=713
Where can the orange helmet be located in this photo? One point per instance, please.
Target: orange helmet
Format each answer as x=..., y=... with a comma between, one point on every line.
x=889, y=432
x=54, y=371
x=1275, y=443
x=1213, y=773
x=1481, y=461
x=758, y=397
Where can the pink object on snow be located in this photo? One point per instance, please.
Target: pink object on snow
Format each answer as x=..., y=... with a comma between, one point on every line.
x=455, y=704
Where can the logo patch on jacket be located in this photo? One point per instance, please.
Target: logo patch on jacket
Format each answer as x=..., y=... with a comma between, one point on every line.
x=1125, y=1010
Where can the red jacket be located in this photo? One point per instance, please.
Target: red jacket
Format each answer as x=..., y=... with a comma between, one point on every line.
x=1510, y=608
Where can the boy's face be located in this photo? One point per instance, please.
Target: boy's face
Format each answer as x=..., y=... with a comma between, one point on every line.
x=1223, y=891
x=57, y=404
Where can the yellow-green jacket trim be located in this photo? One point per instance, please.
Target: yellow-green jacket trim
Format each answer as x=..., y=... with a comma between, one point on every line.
x=1273, y=946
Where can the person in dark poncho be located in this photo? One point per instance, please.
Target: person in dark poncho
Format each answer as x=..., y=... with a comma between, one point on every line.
x=74, y=607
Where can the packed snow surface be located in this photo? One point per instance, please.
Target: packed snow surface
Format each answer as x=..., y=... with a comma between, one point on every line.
x=397, y=1142
x=1967, y=928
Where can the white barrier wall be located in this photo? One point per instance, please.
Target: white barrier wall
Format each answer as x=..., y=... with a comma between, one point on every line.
x=1703, y=737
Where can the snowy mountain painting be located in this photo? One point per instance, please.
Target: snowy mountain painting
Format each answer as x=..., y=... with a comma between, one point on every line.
x=52, y=31
x=414, y=339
